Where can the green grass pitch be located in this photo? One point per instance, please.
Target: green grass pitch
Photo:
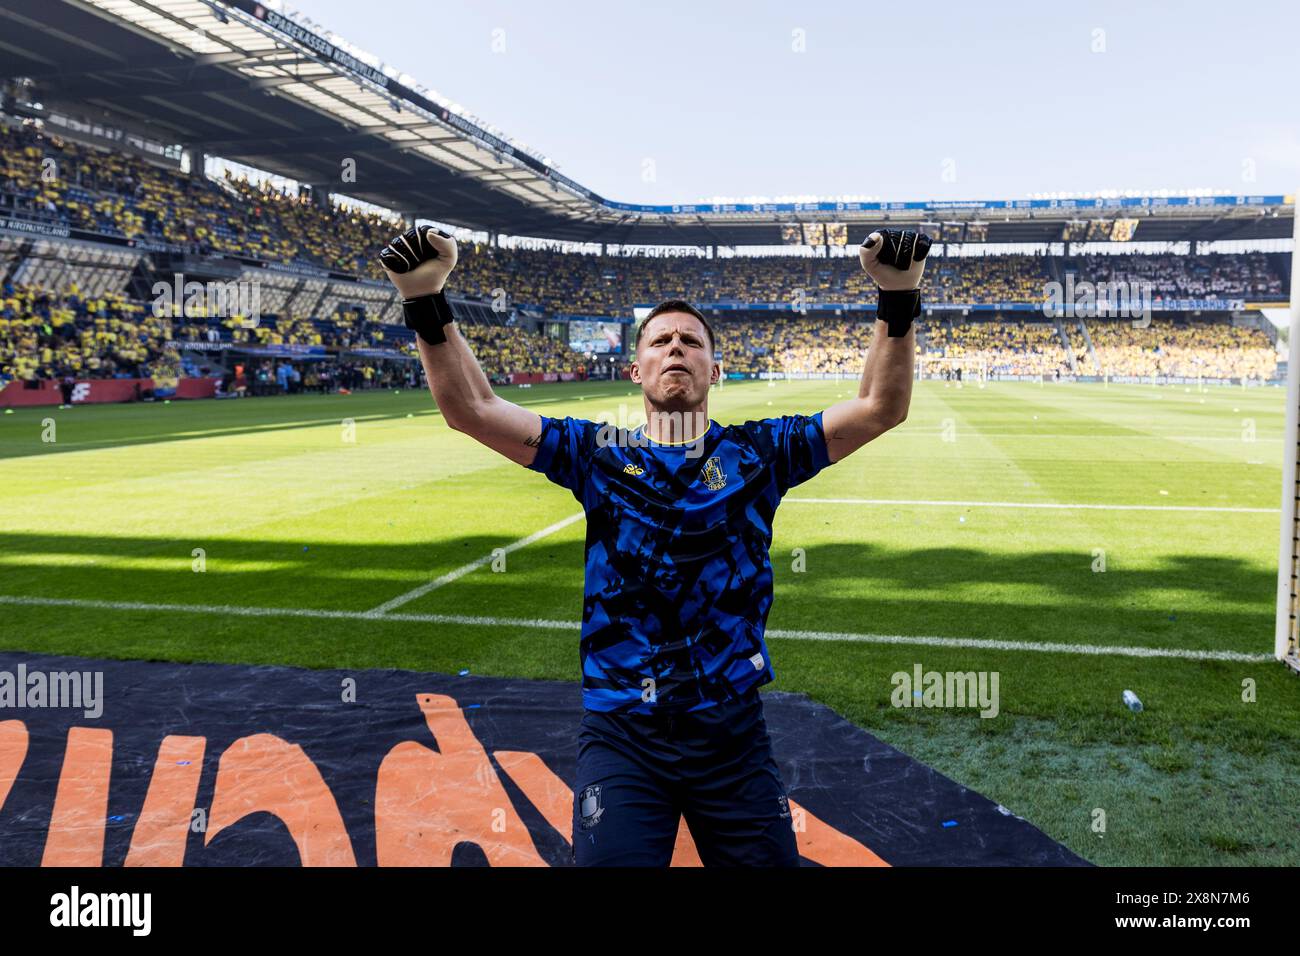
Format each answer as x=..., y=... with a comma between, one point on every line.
x=291, y=516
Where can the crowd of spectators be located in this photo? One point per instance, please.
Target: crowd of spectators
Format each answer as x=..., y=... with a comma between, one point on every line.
x=1190, y=350
x=119, y=195
x=1217, y=276
x=48, y=335
x=51, y=335
x=1215, y=350
x=585, y=284
x=793, y=345
x=1165, y=347
x=56, y=335
x=501, y=350
x=1003, y=347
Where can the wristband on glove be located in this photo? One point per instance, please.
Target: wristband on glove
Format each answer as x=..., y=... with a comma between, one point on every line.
x=425, y=315
x=898, y=309
x=900, y=248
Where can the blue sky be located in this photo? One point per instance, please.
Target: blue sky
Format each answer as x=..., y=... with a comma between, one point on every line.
x=682, y=101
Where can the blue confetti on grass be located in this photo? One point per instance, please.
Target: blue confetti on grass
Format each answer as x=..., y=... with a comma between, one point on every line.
x=949, y=823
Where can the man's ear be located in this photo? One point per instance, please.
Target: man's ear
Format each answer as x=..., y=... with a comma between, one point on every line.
x=715, y=374
x=634, y=371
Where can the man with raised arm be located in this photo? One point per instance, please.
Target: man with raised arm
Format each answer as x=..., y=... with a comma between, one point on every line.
x=678, y=578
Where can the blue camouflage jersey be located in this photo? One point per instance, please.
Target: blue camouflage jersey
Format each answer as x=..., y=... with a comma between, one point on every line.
x=678, y=578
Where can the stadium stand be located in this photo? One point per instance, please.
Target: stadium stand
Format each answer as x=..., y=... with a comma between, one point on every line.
x=97, y=320
x=1186, y=349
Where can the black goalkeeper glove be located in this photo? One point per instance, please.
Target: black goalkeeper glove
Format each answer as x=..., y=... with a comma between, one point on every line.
x=895, y=259
x=418, y=263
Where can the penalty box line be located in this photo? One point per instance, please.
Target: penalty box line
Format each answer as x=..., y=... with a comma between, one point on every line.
x=465, y=569
x=972, y=643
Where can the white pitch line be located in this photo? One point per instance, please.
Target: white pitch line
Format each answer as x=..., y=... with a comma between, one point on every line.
x=238, y=611
x=1038, y=646
x=463, y=570
x=1025, y=504
x=573, y=626
x=926, y=432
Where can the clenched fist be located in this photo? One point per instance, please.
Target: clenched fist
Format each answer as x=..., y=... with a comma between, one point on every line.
x=419, y=261
x=895, y=259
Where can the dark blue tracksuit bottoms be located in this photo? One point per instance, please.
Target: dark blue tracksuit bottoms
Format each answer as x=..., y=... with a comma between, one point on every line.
x=639, y=774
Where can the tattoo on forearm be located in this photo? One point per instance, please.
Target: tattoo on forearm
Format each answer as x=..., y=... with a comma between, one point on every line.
x=534, y=442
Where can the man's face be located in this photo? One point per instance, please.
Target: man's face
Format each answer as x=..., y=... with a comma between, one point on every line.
x=674, y=362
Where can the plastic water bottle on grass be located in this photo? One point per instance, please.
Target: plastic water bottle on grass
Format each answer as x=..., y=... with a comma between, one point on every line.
x=1131, y=702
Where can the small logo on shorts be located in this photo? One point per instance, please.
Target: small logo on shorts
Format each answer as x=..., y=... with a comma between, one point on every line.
x=589, y=807
x=785, y=805
x=757, y=661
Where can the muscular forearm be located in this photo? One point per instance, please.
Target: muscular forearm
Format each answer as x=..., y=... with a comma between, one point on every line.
x=896, y=261
x=455, y=378
x=418, y=263
x=888, y=372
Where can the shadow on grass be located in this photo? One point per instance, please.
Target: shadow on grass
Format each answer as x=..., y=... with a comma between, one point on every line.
x=87, y=427
x=859, y=587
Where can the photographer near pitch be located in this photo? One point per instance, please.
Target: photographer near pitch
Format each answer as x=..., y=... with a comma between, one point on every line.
x=678, y=579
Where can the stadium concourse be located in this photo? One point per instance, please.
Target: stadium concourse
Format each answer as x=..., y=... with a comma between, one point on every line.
x=146, y=257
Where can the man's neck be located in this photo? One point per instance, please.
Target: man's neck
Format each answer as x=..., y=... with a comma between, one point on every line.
x=676, y=426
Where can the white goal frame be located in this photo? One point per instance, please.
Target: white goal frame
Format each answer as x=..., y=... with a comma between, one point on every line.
x=1286, y=643
x=927, y=366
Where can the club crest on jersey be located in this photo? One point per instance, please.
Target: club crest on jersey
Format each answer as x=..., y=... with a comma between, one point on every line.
x=712, y=475
x=631, y=469
x=589, y=807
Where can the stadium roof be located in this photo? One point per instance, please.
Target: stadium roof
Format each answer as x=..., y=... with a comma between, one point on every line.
x=239, y=79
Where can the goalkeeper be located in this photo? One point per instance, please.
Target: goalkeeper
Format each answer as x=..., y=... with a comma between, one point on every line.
x=678, y=578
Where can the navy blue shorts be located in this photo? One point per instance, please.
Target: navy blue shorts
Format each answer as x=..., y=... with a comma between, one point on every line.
x=639, y=774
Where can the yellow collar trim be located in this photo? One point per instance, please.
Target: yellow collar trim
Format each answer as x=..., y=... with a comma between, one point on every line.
x=645, y=431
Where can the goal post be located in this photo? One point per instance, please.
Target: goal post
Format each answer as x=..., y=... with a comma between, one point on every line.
x=974, y=368
x=1286, y=645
